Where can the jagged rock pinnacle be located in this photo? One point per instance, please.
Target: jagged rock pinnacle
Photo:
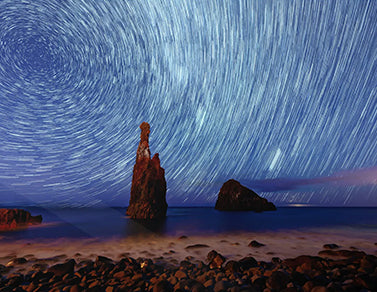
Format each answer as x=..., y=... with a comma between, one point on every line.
x=143, y=149
x=148, y=190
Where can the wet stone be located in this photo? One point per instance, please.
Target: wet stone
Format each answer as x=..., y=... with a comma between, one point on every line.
x=278, y=280
x=209, y=283
x=162, y=286
x=220, y=286
x=62, y=269
x=180, y=275
x=330, y=246
x=17, y=261
x=197, y=246
x=215, y=259
x=232, y=267
x=255, y=243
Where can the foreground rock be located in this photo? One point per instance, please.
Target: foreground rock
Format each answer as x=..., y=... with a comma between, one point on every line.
x=235, y=197
x=17, y=218
x=304, y=273
x=148, y=190
x=255, y=243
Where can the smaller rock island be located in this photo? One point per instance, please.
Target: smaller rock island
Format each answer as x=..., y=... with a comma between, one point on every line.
x=148, y=190
x=11, y=219
x=235, y=197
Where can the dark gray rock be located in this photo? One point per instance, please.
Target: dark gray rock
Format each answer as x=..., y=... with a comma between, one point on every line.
x=221, y=286
x=162, y=286
x=255, y=243
x=232, y=267
x=278, y=280
x=330, y=246
x=235, y=197
x=62, y=269
x=247, y=263
x=195, y=246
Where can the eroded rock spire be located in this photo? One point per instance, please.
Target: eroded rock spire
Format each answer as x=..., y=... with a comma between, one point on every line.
x=148, y=190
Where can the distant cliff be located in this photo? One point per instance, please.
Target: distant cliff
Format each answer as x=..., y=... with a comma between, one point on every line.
x=148, y=190
x=17, y=218
x=235, y=197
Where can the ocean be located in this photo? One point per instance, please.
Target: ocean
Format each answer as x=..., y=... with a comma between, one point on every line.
x=110, y=223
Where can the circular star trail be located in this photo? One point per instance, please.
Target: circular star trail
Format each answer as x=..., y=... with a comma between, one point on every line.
x=258, y=91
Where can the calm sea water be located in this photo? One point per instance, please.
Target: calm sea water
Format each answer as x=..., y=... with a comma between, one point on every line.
x=111, y=222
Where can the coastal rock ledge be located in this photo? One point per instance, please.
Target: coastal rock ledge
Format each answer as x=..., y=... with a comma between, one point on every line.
x=17, y=218
x=148, y=190
x=235, y=197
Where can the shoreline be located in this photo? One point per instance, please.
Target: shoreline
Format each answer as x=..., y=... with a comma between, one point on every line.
x=283, y=244
x=169, y=253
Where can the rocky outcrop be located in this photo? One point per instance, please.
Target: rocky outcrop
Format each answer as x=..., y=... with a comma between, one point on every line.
x=235, y=197
x=17, y=218
x=304, y=273
x=148, y=190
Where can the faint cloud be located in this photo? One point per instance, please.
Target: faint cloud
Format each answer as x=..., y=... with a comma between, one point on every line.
x=355, y=177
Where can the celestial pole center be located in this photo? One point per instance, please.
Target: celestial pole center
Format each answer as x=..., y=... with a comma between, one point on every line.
x=250, y=90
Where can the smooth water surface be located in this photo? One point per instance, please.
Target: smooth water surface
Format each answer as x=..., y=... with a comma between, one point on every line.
x=104, y=223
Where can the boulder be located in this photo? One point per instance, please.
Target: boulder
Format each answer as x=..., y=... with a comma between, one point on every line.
x=63, y=269
x=235, y=197
x=255, y=243
x=232, y=267
x=148, y=190
x=17, y=218
x=215, y=260
x=247, y=263
x=278, y=280
x=330, y=246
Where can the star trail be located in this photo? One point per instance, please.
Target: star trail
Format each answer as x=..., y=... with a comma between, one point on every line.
x=258, y=91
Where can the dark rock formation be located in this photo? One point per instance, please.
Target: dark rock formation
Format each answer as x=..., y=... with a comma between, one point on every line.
x=342, y=253
x=255, y=243
x=196, y=246
x=235, y=197
x=330, y=246
x=278, y=280
x=215, y=260
x=17, y=218
x=148, y=190
x=62, y=269
x=247, y=263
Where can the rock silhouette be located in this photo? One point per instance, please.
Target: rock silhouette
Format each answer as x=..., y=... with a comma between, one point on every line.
x=16, y=218
x=148, y=190
x=235, y=197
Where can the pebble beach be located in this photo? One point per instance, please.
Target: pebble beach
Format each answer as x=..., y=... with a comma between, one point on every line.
x=311, y=260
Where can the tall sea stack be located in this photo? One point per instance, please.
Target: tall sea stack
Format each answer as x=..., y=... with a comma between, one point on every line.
x=148, y=190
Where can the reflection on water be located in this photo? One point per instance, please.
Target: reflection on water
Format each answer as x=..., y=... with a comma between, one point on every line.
x=139, y=227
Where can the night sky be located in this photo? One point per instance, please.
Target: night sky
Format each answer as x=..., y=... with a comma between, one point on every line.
x=280, y=95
